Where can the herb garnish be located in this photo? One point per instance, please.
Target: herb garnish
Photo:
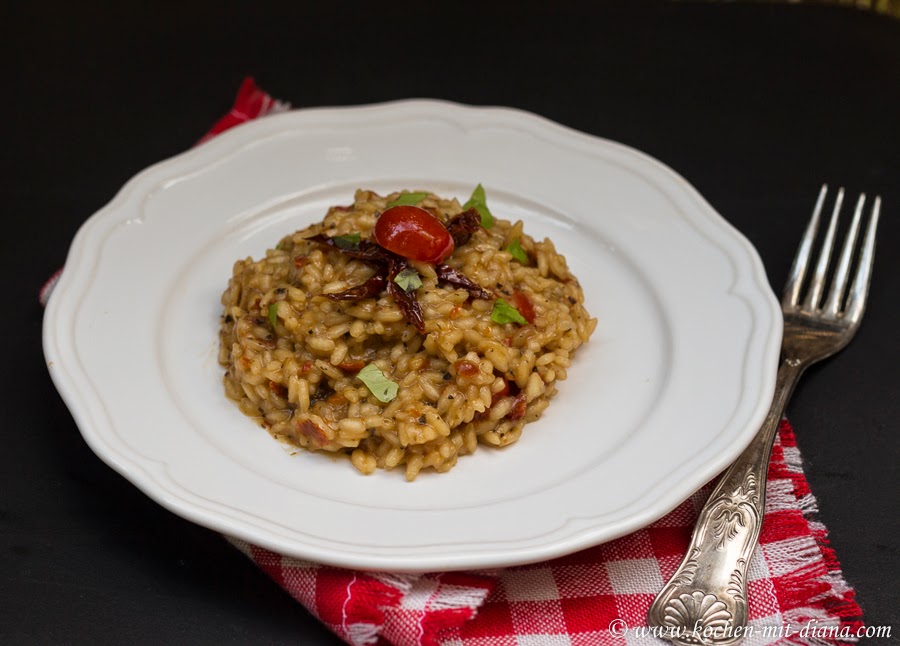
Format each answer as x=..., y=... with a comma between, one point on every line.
x=478, y=201
x=378, y=384
x=503, y=312
x=349, y=242
x=409, y=280
x=517, y=251
x=273, y=313
x=407, y=199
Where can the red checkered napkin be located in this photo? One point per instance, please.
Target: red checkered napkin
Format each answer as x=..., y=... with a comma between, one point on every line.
x=600, y=596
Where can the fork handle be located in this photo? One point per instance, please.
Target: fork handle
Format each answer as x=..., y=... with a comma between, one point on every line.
x=705, y=602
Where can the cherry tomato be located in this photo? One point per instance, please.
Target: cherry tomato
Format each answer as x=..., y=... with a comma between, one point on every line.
x=413, y=233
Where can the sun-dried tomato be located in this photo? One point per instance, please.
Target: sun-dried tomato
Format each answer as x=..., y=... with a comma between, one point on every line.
x=518, y=408
x=462, y=226
x=368, y=289
x=465, y=368
x=278, y=389
x=352, y=367
x=524, y=305
x=406, y=301
x=336, y=399
x=503, y=392
x=366, y=250
x=390, y=264
x=451, y=276
x=313, y=433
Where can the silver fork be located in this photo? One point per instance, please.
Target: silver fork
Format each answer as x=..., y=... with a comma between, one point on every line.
x=705, y=602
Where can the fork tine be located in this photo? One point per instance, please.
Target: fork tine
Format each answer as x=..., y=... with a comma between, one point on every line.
x=817, y=284
x=801, y=260
x=836, y=295
x=857, y=301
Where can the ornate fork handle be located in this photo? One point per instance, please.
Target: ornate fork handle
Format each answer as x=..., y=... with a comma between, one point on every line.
x=705, y=602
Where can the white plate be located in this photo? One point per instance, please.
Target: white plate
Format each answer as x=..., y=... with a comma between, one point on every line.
x=669, y=390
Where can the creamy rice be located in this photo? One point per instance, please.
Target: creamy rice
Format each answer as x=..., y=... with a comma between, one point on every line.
x=467, y=380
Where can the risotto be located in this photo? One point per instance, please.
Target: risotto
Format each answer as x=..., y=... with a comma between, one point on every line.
x=401, y=331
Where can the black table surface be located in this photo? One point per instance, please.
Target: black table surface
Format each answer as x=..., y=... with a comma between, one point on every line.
x=755, y=104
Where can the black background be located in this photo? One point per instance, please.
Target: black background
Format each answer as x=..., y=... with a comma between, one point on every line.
x=756, y=105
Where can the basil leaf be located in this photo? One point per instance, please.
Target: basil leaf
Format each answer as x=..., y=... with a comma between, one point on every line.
x=273, y=313
x=503, y=312
x=517, y=251
x=478, y=195
x=378, y=384
x=408, y=199
x=349, y=241
x=409, y=280
x=478, y=201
